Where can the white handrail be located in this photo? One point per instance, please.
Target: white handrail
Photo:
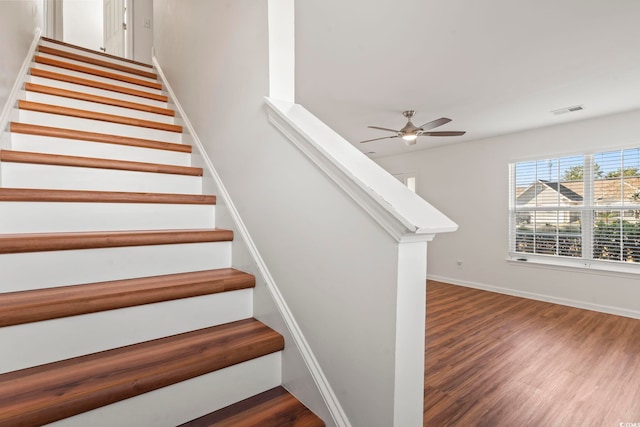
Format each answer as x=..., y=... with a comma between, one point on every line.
x=404, y=214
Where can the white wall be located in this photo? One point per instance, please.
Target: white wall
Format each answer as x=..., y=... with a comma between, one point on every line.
x=83, y=24
x=142, y=30
x=469, y=183
x=19, y=20
x=335, y=266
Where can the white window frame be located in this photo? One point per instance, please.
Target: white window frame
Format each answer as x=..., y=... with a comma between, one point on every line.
x=587, y=210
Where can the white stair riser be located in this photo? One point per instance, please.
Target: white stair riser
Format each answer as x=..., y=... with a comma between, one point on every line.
x=96, y=67
x=44, y=217
x=93, y=55
x=62, y=101
x=95, y=78
x=71, y=147
x=90, y=125
x=27, y=175
x=95, y=91
x=182, y=402
x=38, y=270
x=74, y=336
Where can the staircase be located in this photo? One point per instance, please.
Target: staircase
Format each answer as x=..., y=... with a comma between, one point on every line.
x=118, y=303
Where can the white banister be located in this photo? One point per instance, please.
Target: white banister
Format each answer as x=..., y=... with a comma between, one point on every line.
x=404, y=214
x=408, y=218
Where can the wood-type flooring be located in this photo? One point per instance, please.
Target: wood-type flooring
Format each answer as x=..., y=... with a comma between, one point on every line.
x=494, y=360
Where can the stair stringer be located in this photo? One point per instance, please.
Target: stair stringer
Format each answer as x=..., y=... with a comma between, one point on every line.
x=311, y=386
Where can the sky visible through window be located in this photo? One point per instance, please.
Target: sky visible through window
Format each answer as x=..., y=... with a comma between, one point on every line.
x=556, y=169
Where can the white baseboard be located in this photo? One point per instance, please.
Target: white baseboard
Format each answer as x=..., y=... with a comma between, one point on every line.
x=17, y=85
x=634, y=314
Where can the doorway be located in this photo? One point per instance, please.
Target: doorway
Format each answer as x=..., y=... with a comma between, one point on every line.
x=116, y=27
x=407, y=178
x=104, y=25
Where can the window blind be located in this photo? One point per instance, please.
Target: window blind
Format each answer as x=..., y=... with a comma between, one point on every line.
x=585, y=206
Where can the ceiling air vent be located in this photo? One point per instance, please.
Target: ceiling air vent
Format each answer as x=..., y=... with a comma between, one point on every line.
x=565, y=110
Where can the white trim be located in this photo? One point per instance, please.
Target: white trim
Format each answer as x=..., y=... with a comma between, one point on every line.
x=17, y=85
x=587, y=216
x=281, y=50
x=607, y=268
x=397, y=209
x=327, y=393
x=58, y=20
x=572, y=153
x=48, y=18
x=634, y=314
x=128, y=33
x=408, y=405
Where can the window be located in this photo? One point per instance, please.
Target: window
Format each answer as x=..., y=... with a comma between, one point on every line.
x=584, y=208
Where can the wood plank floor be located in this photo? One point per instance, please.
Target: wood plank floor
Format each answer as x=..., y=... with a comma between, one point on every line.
x=494, y=360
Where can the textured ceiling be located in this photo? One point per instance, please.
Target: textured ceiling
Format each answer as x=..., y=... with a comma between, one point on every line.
x=493, y=66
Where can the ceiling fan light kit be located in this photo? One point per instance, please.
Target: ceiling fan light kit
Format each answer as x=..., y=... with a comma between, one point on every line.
x=410, y=132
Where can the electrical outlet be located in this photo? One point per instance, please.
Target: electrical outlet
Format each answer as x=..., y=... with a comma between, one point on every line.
x=147, y=22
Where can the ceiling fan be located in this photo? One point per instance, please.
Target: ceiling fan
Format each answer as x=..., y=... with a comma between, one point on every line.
x=410, y=132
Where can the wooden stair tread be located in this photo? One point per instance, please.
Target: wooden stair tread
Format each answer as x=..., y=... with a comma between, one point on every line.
x=95, y=61
x=92, y=162
x=52, y=303
x=32, y=87
x=98, y=85
x=97, y=137
x=47, y=393
x=44, y=242
x=273, y=408
x=103, y=117
x=96, y=72
x=97, y=52
x=91, y=196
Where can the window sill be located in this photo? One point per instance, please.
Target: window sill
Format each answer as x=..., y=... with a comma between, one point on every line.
x=594, y=267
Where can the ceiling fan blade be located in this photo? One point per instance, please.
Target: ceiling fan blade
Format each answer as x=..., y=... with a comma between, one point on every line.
x=435, y=123
x=447, y=133
x=390, y=130
x=376, y=139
